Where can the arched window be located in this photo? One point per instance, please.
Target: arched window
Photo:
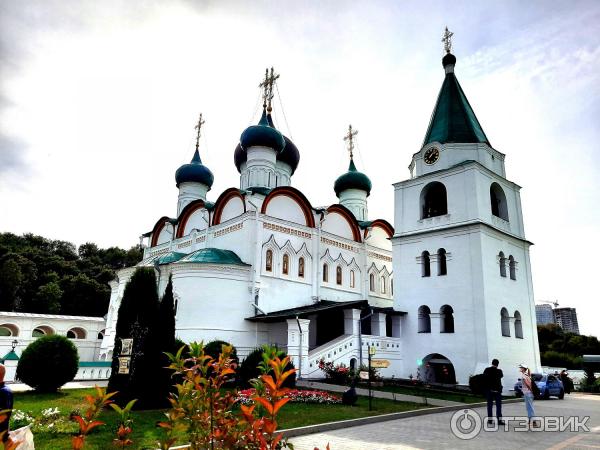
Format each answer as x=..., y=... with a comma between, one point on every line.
x=8, y=329
x=502, y=261
x=512, y=267
x=76, y=333
x=433, y=200
x=382, y=281
x=301, y=267
x=447, y=319
x=518, y=325
x=42, y=330
x=505, y=322
x=498, y=202
x=424, y=319
x=325, y=273
x=426, y=267
x=371, y=282
x=286, y=264
x=269, y=261
x=100, y=336
x=352, y=279
x=338, y=275
x=441, y=257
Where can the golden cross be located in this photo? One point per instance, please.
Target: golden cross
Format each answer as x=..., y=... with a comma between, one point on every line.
x=350, y=138
x=198, y=127
x=267, y=86
x=447, y=40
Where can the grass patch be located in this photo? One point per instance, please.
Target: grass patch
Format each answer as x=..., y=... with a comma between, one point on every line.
x=145, y=432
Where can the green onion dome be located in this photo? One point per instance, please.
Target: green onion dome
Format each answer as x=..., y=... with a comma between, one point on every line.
x=194, y=172
x=290, y=154
x=353, y=179
x=262, y=135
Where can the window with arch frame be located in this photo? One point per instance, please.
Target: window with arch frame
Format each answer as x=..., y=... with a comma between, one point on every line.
x=424, y=320
x=518, y=325
x=426, y=264
x=338, y=275
x=269, y=261
x=502, y=262
x=441, y=262
x=371, y=282
x=352, y=279
x=301, y=267
x=325, y=273
x=382, y=281
x=505, y=322
x=512, y=267
x=286, y=264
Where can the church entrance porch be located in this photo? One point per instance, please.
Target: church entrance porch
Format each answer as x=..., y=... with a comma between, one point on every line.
x=437, y=368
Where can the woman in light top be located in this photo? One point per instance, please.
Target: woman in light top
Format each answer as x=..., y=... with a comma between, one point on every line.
x=526, y=381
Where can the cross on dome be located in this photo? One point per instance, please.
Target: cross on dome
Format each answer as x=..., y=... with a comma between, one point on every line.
x=267, y=86
x=198, y=127
x=447, y=40
x=350, y=139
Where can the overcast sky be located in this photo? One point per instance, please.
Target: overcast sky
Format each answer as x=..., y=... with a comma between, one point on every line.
x=98, y=102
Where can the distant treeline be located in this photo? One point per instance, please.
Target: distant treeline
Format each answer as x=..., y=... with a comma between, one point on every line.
x=559, y=348
x=39, y=275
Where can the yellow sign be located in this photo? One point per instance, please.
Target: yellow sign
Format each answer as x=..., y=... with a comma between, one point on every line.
x=380, y=363
x=371, y=350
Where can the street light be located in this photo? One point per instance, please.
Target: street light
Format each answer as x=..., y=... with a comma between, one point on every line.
x=14, y=344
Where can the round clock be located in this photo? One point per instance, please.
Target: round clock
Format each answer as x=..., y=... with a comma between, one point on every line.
x=431, y=155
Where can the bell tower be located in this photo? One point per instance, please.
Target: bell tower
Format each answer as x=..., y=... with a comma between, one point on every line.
x=461, y=260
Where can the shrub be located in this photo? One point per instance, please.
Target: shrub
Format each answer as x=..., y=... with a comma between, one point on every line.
x=213, y=349
x=48, y=363
x=249, y=369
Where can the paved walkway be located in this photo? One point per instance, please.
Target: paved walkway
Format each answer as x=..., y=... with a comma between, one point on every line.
x=21, y=387
x=433, y=431
x=378, y=394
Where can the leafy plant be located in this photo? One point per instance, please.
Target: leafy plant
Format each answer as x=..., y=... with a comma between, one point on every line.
x=124, y=429
x=89, y=420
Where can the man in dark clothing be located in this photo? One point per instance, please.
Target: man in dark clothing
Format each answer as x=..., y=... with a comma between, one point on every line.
x=6, y=402
x=493, y=392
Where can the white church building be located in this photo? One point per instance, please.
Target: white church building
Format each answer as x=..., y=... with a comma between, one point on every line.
x=438, y=295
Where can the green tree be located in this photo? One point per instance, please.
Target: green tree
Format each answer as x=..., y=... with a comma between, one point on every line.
x=165, y=331
x=47, y=298
x=138, y=320
x=84, y=296
x=10, y=282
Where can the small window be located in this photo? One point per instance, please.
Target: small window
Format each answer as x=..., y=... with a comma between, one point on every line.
x=325, y=273
x=382, y=285
x=505, y=322
x=301, y=267
x=269, y=261
x=100, y=336
x=286, y=264
x=76, y=333
x=441, y=257
x=518, y=325
x=447, y=319
x=511, y=267
x=424, y=319
x=338, y=275
x=502, y=262
x=352, y=279
x=426, y=267
x=498, y=202
x=372, y=282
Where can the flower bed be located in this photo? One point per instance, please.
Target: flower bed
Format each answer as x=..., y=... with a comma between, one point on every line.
x=295, y=395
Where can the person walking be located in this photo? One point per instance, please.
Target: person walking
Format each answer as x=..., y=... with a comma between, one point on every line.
x=6, y=404
x=493, y=392
x=566, y=381
x=526, y=383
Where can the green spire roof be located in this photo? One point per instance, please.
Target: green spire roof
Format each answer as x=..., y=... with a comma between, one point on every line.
x=453, y=119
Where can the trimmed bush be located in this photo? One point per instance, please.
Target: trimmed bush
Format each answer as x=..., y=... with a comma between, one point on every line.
x=213, y=349
x=48, y=363
x=249, y=368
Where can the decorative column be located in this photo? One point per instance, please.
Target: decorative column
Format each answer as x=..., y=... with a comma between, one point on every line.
x=297, y=348
x=351, y=318
x=378, y=324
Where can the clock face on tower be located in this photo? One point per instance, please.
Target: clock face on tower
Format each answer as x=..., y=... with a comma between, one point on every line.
x=431, y=156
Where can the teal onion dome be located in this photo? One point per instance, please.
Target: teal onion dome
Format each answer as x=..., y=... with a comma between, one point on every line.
x=262, y=135
x=194, y=172
x=353, y=179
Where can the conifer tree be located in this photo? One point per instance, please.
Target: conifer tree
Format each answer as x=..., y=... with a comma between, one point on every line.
x=166, y=335
x=138, y=320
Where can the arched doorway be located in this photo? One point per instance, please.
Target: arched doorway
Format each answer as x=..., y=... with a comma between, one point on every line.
x=438, y=369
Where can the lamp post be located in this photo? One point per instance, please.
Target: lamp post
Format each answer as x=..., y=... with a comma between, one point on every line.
x=14, y=344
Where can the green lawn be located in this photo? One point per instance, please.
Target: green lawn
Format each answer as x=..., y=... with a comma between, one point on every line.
x=145, y=433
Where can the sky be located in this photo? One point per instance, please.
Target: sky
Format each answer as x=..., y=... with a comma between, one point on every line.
x=98, y=102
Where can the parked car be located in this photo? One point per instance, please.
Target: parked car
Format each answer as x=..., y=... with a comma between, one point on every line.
x=549, y=385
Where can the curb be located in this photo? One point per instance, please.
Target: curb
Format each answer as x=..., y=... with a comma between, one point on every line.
x=330, y=426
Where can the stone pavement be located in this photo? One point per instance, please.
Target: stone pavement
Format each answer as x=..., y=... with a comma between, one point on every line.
x=433, y=431
x=377, y=394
